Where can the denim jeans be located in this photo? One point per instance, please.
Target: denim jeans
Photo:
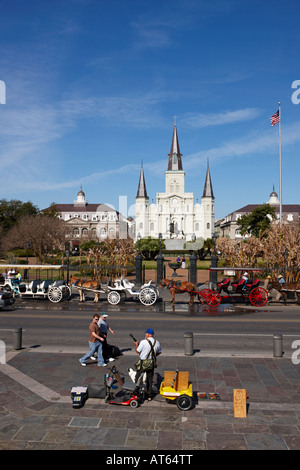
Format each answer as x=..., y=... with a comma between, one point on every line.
x=94, y=347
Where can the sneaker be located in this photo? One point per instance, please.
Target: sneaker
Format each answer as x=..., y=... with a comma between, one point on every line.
x=93, y=358
x=102, y=365
x=111, y=359
x=82, y=363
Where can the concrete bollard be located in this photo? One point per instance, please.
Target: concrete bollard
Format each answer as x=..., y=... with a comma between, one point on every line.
x=188, y=344
x=17, y=338
x=277, y=345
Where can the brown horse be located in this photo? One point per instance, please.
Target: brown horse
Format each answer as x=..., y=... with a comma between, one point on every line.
x=285, y=288
x=81, y=285
x=178, y=287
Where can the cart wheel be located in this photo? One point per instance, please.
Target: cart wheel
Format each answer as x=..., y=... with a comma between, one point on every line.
x=134, y=403
x=258, y=296
x=55, y=294
x=113, y=297
x=203, y=293
x=67, y=293
x=213, y=299
x=148, y=296
x=184, y=402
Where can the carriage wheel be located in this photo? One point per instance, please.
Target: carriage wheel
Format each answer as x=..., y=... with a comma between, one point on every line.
x=113, y=297
x=67, y=293
x=258, y=297
x=55, y=294
x=148, y=296
x=203, y=293
x=213, y=299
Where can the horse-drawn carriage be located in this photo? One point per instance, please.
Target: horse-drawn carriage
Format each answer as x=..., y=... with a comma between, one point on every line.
x=147, y=294
x=53, y=290
x=205, y=294
x=242, y=289
x=284, y=289
x=122, y=289
x=227, y=290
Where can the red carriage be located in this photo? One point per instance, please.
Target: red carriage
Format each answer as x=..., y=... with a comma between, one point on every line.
x=245, y=290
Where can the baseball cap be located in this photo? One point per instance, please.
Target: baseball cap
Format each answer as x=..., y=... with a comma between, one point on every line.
x=149, y=331
x=103, y=314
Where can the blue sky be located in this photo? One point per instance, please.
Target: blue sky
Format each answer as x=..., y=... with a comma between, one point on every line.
x=92, y=88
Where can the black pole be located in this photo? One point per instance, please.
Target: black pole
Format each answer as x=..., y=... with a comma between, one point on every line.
x=139, y=264
x=159, y=263
x=214, y=264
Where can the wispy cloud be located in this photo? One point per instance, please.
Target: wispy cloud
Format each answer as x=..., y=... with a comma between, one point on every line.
x=198, y=120
x=252, y=144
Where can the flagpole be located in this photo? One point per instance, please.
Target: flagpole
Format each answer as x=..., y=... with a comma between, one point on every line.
x=280, y=172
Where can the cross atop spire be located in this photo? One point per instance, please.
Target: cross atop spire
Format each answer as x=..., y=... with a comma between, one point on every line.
x=175, y=162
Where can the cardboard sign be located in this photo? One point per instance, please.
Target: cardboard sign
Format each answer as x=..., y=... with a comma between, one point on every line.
x=239, y=403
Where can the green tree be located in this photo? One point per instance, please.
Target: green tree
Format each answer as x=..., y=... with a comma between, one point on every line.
x=51, y=211
x=12, y=211
x=258, y=221
x=206, y=249
x=149, y=247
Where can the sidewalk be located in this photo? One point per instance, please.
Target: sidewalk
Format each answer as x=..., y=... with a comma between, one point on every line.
x=36, y=408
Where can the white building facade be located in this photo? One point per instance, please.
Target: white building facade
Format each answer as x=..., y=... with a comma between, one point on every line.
x=175, y=214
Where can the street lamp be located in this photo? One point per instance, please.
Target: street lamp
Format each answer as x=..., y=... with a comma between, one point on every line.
x=214, y=261
x=193, y=263
x=285, y=255
x=139, y=242
x=27, y=244
x=139, y=263
x=67, y=253
x=159, y=262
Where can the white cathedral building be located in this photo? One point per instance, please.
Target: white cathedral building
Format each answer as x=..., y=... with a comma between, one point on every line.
x=175, y=214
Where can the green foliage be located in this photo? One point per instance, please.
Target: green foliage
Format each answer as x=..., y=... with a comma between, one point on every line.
x=51, y=211
x=12, y=211
x=258, y=221
x=206, y=249
x=149, y=247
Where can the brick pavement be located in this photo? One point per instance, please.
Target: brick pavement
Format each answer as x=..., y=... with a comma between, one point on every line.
x=36, y=409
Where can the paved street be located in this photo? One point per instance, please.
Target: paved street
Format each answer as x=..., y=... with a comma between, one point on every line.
x=36, y=409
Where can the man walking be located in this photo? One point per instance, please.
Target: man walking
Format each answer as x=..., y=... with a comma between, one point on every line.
x=145, y=351
x=95, y=343
x=104, y=328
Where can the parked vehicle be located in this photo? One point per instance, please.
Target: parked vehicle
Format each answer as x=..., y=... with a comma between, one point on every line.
x=6, y=298
x=54, y=290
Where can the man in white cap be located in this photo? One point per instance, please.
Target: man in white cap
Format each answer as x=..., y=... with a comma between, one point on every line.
x=104, y=328
x=245, y=277
x=281, y=281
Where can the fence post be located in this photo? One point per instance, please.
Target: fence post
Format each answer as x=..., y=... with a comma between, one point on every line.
x=159, y=267
x=193, y=268
x=139, y=269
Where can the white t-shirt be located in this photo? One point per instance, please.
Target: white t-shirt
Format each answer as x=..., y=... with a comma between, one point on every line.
x=144, y=348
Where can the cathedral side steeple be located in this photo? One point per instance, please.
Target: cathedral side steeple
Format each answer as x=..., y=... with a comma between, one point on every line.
x=208, y=189
x=142, y=191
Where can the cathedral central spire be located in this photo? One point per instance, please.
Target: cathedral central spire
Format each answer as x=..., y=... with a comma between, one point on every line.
x=175, y=162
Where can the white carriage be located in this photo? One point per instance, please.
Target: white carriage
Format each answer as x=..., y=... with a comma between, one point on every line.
x=147, y=293
x=55, y=291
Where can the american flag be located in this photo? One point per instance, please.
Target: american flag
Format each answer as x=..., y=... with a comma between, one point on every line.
x=275, y=118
